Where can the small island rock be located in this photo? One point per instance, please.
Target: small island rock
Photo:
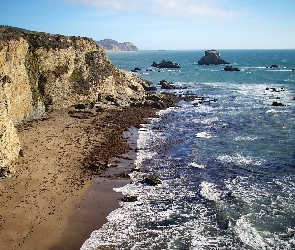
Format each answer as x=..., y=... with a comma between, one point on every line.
x=211, y=57
x=231, y=68
x=165, y=64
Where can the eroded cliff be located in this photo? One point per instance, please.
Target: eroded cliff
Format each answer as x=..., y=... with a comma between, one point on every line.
x=40, y=72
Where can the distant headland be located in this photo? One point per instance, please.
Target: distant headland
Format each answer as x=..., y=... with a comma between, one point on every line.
x=112, y=45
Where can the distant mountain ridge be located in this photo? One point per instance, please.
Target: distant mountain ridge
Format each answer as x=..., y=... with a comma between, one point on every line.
x=113, y=45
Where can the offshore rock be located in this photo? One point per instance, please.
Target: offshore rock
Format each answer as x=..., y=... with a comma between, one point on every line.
x=165, y=64
x=40, y=72
x=231, y=68
x=211, y=57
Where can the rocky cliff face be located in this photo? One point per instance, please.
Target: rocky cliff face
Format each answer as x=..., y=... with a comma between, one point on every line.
x=112, y=45
x=40, y=72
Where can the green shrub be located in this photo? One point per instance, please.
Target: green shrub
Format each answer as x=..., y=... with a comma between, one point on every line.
x=76, y=76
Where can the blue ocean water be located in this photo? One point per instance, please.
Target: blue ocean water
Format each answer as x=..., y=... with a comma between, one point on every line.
x=227, y=165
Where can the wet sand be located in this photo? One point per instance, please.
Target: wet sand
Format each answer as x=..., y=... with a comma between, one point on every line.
x=59, y=194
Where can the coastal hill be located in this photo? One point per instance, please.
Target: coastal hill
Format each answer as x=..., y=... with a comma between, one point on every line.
x=40, y=72
x=112, y=45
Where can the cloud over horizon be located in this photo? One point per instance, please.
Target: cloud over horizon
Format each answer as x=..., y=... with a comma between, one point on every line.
x=172, y=8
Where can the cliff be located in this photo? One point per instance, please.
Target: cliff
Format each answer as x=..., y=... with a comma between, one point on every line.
x=41, y=72
x=112, y=45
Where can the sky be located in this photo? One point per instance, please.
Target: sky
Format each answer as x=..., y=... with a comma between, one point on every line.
x=162, y=24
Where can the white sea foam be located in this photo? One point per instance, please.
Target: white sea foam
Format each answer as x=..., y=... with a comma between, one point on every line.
x=196, y=165
x=239, y=160
x=210, y=120
x=246, y=138
x=203, y=135
x=271, y=111
x=210, y=191
x=249, y=235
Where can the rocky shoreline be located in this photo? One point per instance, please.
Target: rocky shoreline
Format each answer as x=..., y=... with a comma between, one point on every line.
x=63, y=155
x=64, y=109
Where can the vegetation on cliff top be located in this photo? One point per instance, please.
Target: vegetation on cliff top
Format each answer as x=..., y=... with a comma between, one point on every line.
x=40, y=39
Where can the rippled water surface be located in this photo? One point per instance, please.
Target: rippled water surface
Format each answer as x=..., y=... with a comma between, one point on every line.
x=227, y=165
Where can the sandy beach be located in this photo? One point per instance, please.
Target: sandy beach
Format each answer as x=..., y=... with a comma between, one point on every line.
x=61, y=192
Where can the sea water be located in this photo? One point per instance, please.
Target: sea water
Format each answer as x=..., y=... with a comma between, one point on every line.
x=226, y=165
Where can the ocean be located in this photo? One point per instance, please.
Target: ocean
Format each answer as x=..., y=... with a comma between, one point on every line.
x=226, y=160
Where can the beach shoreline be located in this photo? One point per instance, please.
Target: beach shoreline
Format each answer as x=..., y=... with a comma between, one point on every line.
x=54, y=190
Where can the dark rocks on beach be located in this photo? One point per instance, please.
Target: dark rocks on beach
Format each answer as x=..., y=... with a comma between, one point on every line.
x=211, y=57
x=231, y=68
x=165, y=64
x=128, y=198
x=96, y=167
x=81, y=114
x=152, y=180
x=123, y=175
x=157, y=101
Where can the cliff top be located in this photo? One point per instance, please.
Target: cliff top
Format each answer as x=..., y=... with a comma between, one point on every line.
x=39, y=39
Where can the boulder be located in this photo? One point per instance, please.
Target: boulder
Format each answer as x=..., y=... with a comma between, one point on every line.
x=231, y=68
x=274, y=66
x=278, y=104
x=152, y=180
x=211, y=57
x=167, y=85
x=136, y=69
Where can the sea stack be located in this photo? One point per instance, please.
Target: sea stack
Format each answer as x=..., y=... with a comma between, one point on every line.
x=211, y=57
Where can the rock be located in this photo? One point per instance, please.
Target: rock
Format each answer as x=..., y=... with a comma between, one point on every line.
x=274, y=66
x=211, y=57
x=167, y=85
x=277, y=104
x=123, y=175
x=128, y=198
x=136, y=69
x=275, y=90
x=152, y=180
x=231, y=68
x=165, y=64
x=81, y=114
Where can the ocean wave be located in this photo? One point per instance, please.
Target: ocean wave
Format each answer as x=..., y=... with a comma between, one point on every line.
x=210, y=120
x=249, y=234
x=210, y=191
x=203, y=135
x=239, y=160
x=246, y=138
x=196, y=165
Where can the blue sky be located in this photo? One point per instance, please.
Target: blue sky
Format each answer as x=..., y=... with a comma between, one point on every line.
x=162, y=24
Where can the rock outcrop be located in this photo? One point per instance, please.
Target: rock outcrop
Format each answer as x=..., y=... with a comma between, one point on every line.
x=211, y=57
x=231, y=68
x=112, y=45
x=165, y=64
x=40, y=72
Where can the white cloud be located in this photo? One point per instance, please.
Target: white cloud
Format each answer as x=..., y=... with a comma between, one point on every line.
x=166, y=8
